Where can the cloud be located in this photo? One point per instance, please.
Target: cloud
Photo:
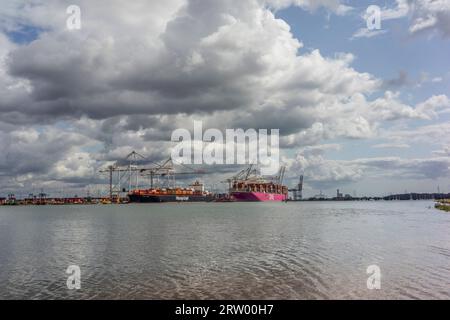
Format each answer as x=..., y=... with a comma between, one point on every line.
x=335, y=6
x=391, y=145
x=436, y=79
x=204, y=58
x=401, y=10
x=401, y=80
x=404, y=80
x=428, y=168
x=434, y=105
x=72, y=100
x=366, y=33
x=445, y=152
x=323, y=173
x=424, y=15
x=433, y=134
x=431, y=15
x=35, y=156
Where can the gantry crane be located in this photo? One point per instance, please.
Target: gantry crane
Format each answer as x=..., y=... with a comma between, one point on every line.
x=298, y=191
x=133, y=171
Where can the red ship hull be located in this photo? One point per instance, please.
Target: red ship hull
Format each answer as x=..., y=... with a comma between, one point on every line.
x=258, y=196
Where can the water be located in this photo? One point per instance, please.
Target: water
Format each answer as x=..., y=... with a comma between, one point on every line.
x=307, y=250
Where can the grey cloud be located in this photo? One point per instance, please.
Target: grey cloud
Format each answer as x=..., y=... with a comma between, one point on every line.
x=335, y=6
x=221, y=57
x=325, y=173
x=431, y=168
x=29, y=151
x=445, y=152
x=138, y=70
x=401, y=80
x=431, y=15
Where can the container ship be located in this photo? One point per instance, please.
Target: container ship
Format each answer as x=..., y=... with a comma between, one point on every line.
x=247, y=185
x=195, y=193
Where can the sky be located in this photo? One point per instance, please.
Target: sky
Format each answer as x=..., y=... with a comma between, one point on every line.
x=365, y=111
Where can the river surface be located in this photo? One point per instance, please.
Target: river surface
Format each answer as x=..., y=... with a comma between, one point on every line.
x=295, y=250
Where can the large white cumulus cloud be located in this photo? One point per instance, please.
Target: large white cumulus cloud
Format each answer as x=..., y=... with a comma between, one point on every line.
x=203, y=57
x=137, y=70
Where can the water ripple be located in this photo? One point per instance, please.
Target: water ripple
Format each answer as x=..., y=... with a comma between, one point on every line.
x=226, y=251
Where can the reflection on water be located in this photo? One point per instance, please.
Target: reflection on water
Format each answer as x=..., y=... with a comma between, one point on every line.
x=307, y=250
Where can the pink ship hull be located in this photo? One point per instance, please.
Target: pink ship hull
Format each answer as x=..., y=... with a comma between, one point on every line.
x=258, y=196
